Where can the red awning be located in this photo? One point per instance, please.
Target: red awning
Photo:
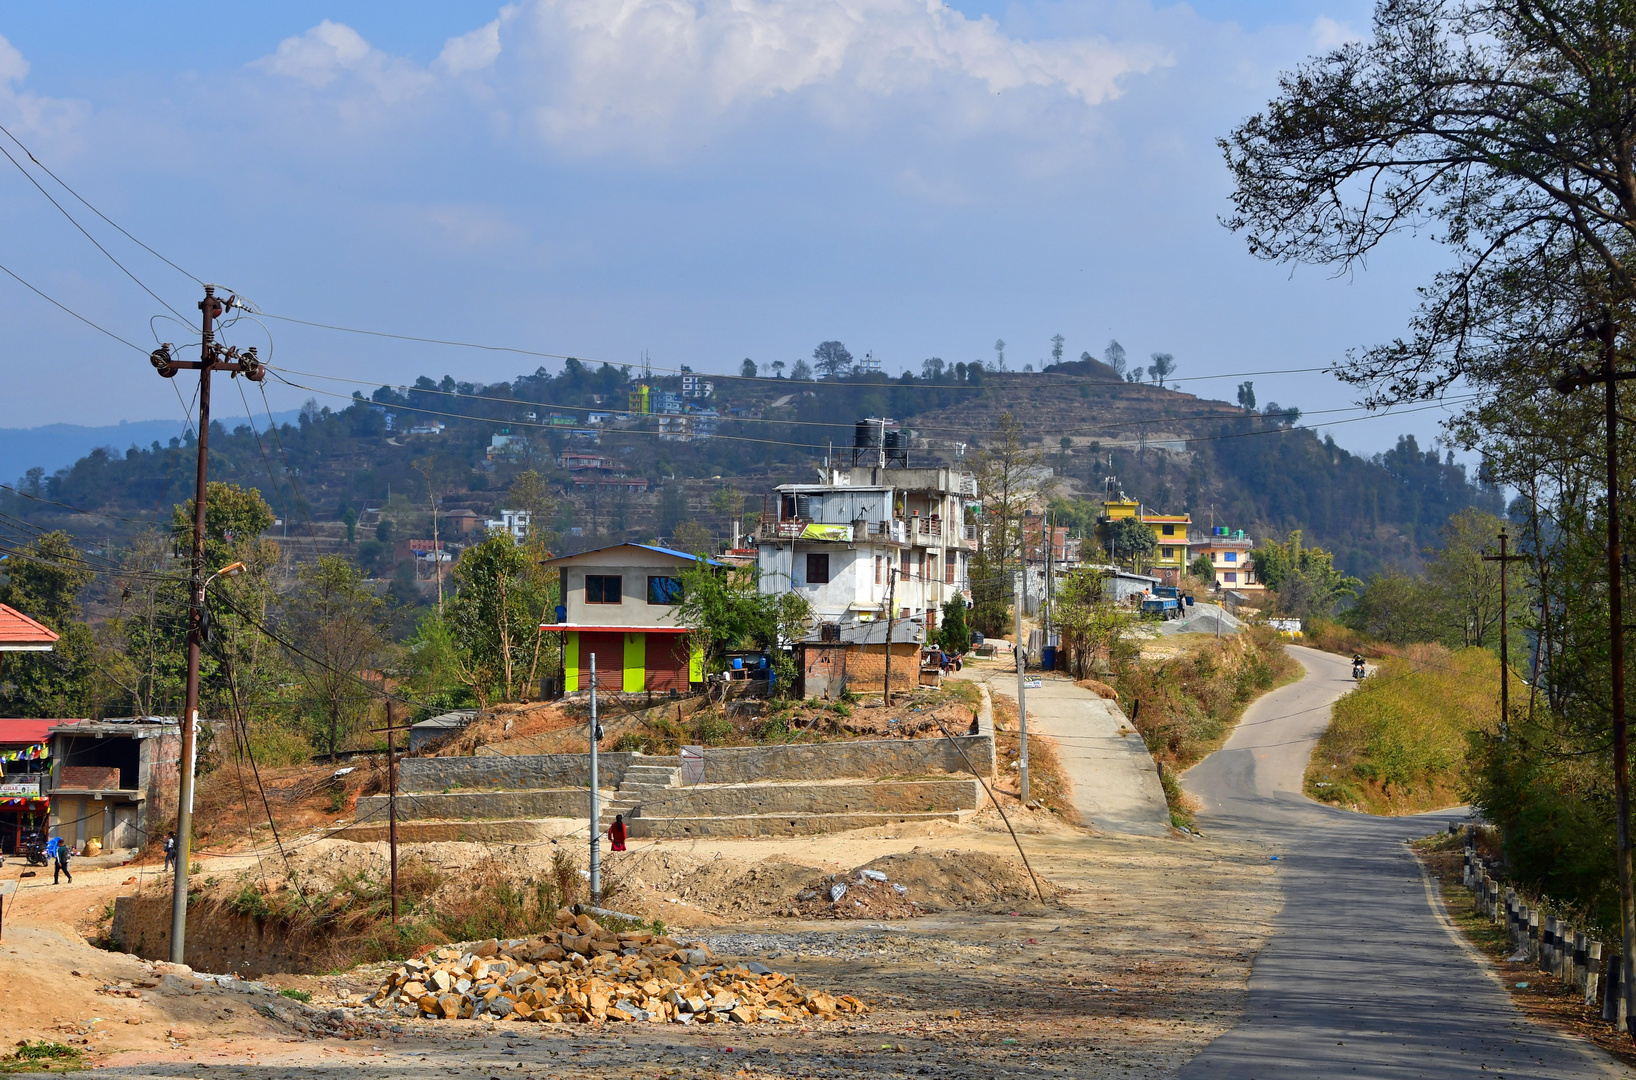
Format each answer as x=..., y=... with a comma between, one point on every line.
x=618, y=629
x=27, y=732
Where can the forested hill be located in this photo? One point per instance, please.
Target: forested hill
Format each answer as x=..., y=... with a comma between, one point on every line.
x=349, y=454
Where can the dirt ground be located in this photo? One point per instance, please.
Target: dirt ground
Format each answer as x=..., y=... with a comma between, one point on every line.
x=1137, y=960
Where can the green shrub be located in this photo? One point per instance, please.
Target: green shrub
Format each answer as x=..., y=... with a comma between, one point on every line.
x=1398, y=743
x=273, y=745
x=302, y=996
x=711, y=728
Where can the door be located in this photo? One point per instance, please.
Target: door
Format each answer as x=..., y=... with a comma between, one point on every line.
x=124, y=831
x=667, y=662
x=609, y=650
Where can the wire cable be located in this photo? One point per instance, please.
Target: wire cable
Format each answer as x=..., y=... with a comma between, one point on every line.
x=93, y=209
x=57, y=303
x=96, y=243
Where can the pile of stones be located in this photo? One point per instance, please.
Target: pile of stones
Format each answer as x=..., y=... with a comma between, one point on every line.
x=584, y=973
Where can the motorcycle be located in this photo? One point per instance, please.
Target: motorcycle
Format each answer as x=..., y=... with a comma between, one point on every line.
x=34, y=849
x=1357, y=671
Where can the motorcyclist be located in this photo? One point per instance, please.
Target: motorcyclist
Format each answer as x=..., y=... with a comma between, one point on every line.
x=1357, y=665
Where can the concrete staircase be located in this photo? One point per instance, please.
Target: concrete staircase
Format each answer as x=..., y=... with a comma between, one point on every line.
x=639, y=782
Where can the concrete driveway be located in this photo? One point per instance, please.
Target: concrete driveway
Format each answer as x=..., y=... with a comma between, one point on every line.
x=1363, y=978
x=1115, y=785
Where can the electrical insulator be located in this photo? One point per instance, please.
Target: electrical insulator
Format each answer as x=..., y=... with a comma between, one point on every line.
x=160, y=359
x=250, y=365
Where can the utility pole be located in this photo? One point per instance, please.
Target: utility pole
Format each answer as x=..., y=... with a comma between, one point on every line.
x=1505, y=652
x=1605, y=330
x=891, y=615
x=425, y=469
x=1022, y=697
x=211, y=358
x=392, y=730
x=596, y=806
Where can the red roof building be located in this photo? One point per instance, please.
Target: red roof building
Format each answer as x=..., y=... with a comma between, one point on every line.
x=19, y=633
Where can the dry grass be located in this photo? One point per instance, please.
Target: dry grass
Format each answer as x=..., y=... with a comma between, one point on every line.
x=1186, y=704
x=1397, y=745
x=1047, y=784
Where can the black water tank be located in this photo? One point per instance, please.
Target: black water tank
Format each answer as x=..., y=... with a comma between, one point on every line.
x=866, y=434
x=897, y=448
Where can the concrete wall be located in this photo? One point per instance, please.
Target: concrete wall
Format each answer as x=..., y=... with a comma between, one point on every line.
x=920, y=796
x=556, y=802
x=527, y=773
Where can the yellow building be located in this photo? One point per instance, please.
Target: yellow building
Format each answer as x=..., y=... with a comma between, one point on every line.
x=1169, y=530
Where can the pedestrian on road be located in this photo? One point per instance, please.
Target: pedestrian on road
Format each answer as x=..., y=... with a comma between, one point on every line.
x=616, y=834
x=170, y=850
x=61, y=866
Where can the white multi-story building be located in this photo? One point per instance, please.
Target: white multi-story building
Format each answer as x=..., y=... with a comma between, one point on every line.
x=866, y=536
x=514, y=522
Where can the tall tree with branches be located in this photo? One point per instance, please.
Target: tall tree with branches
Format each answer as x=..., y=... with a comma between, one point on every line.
x=1506, y=130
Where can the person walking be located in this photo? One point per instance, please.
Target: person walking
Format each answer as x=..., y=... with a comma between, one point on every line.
x=170, y=850
x=61, y=866
x=616, y=834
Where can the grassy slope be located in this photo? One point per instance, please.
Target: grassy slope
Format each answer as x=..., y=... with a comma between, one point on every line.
x=1185, y=705
x=1397, y=745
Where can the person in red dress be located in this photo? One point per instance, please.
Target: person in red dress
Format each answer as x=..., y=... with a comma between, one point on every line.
x=616, y=834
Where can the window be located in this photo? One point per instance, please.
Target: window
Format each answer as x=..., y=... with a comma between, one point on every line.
x=948, y=570
x=1167, y=553
x=664, y=590
x=903, y=568
x=931, y=567
x=877, y=569
x=1169, y=530
x=602, y=588
x=818, y=569
x=1232, y=577
x=1232, y=556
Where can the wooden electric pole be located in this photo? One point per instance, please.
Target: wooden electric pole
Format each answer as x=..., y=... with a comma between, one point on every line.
x=1605, y=330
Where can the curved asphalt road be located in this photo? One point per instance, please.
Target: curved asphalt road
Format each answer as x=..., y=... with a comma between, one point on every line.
x=1361, y=978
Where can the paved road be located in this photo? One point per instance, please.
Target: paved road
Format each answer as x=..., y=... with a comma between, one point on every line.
x=1361, y=978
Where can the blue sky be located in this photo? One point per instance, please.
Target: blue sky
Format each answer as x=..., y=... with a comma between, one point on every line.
x=706, y=180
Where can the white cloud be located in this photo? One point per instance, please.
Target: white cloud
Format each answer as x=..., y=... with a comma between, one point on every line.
x=13, y=68
x=642, y=75
x=471, y=52
x=1329, y=34
x=332, y=52
x=641, y=67
x=55, y=120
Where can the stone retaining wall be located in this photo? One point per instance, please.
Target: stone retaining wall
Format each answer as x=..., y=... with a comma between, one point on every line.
x=456, y=806
x=762, y=825
x=525, y=773
x=862, y=759
x=893, y=797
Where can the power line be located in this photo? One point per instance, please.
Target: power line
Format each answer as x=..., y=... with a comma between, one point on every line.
x=71, y=311
x=541, y=354
x=93, y=209
x=96, y=243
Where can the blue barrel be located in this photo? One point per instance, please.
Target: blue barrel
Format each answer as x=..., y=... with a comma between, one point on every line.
x=738, y=663
x=1048, y=658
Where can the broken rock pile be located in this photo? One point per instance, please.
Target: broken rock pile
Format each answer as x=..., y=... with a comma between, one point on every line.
x=585, y=972
x=865, y=893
